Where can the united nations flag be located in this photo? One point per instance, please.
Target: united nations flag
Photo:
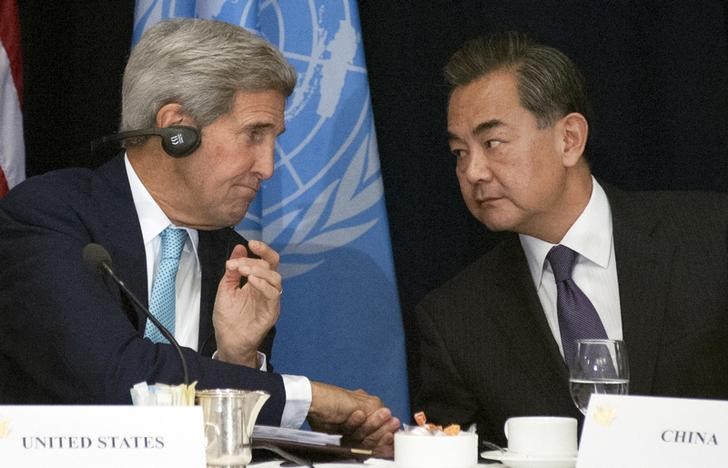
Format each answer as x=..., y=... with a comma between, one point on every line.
x=323, y=210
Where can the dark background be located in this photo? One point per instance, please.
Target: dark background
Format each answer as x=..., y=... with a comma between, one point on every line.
x=657, y=71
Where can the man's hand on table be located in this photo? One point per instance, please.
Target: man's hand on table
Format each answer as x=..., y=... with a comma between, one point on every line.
x=359, y=417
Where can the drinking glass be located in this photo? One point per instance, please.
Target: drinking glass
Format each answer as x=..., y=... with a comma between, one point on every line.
x=600, y=366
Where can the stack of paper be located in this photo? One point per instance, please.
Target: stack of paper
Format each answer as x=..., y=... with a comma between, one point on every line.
x=295, y=435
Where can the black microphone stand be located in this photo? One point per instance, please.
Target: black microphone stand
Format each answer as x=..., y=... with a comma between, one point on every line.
x=104, y=267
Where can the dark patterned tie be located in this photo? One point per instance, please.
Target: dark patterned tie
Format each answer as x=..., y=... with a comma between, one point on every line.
x=577, y=316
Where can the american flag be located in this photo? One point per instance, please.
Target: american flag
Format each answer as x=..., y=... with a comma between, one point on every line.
x=12, y=148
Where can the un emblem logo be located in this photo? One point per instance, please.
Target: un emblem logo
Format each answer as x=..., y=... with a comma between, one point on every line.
x=327, y=190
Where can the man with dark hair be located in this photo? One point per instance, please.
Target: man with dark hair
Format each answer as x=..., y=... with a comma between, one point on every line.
x=650, y=268
x=164, y=212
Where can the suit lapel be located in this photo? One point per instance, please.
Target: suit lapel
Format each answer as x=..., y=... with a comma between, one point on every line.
x=213, y=250
x=121, y=233
x=521, y=316
x=643, y=265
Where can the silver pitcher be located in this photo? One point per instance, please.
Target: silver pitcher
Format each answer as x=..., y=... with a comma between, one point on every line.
x=229, y=417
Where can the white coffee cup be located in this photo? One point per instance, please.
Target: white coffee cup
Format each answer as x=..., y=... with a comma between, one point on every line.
x=541, y=436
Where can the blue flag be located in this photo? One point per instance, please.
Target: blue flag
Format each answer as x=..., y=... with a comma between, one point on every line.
x=323, y=210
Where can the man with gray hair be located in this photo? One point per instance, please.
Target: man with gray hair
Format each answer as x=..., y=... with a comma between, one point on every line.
x=215, y=94
x=647, y=268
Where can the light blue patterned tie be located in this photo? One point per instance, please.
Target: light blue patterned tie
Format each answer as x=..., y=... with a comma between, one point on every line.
x=162, y=302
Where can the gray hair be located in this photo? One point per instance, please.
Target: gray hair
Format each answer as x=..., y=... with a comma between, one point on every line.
x=549, y=84
x=201, y=65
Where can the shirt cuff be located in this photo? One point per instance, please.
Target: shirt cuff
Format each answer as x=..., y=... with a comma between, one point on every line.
x=262, y=361
x=298, y=395
x=298, y=400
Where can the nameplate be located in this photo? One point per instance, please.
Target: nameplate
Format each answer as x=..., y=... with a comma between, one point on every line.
x=108, y=436
x=636, y=431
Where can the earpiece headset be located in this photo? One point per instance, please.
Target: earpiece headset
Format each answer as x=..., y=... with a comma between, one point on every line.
x=178, y=141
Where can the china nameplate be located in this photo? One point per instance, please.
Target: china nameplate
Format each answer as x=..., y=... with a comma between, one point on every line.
x=637, y=431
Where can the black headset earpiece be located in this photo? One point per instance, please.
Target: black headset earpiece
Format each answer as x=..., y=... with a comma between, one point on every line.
x=178, y=141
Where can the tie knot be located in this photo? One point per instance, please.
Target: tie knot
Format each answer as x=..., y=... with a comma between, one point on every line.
x=562, y=261
x=173, y=239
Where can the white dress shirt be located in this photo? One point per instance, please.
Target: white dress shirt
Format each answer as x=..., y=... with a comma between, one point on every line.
x=188, y=290
x=595, y=271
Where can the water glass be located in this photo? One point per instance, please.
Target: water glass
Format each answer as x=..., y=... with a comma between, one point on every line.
x=600, y=366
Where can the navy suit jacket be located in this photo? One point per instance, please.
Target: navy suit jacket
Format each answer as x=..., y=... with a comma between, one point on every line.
x=68, y=335
x=487, y=350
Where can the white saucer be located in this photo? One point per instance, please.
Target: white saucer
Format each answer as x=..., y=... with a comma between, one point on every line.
x=514, y=460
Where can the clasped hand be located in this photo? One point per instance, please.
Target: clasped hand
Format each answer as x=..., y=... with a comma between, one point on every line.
x=242, y=316
x=359, y=417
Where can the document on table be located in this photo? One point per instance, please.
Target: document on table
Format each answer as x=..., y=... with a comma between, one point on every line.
x=273, y=433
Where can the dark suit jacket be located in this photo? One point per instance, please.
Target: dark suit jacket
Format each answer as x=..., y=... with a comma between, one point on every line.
x=68, y=335
x=488, y=353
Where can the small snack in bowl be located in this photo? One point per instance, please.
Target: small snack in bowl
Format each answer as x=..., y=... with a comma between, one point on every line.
x=430, y=446
x=452, y=429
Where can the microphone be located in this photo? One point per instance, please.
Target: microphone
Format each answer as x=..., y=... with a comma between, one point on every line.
x=98, y=260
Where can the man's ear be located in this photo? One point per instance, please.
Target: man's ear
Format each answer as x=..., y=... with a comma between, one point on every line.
x=170, y=114
x=574, y=131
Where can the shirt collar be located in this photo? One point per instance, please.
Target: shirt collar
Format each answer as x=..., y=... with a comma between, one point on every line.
x=151, y=217
x=590, y=236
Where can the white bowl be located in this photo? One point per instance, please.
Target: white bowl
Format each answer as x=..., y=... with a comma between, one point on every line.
x=425, y=451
